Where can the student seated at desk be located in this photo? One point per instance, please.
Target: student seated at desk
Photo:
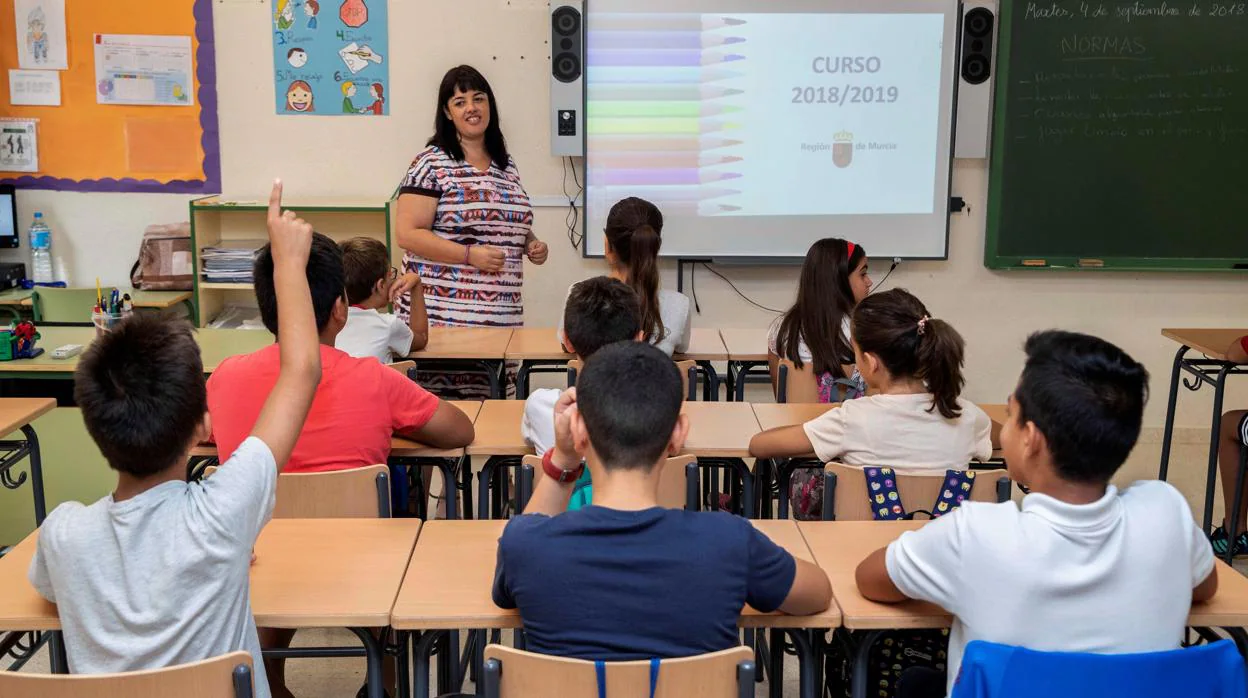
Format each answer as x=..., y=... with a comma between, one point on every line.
x=913, y=419
x=1234, y=433
x=1082, y=567
x=360, y=404
x=156, y=574
x=625, y=579
x=372, y=285
x=599, y=311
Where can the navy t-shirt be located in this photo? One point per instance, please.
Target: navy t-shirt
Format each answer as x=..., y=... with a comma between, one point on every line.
x=615, y=585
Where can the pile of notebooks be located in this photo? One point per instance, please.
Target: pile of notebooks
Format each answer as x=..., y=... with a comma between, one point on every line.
x=230, y=262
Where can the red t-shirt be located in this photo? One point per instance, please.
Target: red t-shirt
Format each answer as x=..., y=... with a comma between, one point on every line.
x=359, y=405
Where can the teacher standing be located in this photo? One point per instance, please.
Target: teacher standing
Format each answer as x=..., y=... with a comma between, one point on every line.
x=465, y=222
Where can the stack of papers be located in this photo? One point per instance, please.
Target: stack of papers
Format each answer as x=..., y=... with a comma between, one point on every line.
x=238, y=317
x=230, y=262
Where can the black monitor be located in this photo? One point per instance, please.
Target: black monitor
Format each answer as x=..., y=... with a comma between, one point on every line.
x=9, y=236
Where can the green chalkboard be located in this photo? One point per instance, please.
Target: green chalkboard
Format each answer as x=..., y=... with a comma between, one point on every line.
x=1120, y=135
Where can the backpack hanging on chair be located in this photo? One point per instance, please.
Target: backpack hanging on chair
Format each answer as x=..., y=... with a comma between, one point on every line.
x=898, y=651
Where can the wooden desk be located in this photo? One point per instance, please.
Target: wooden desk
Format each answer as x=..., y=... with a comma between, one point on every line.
x=484, y=343
x=772, y=415
x=839, y=546
x=498, y=430
x=16, y=414
x=450, y=579
x=158, y=300
x=21, y=607
x=17, y=298
x=406, y=448
x=704, y=345
x=537, y=343
x=719, y=429
x=215, y=346
x=1210, y=369
x=745, y=345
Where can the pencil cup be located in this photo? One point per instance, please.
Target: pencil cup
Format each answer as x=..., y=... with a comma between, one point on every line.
x=105, y=321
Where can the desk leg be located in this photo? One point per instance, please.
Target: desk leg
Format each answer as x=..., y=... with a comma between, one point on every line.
x=373, y=656
x=465, y=474
x=775, y=664
x=1167, y=433
x=496, y=379
x=57, y=661
x=36, y=474
x=401, y=656
x=862, y=664
x=422, y=661
x=1211, y=482
x=807, y=660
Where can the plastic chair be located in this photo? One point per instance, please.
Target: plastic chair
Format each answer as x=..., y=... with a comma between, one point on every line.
x=358, y=493
x=688, y=376
x=511, y=673
x=407, y=368
x=990, y=670
x=227, y=676
x=65, y=306
x=678, y=488
x=845, y=491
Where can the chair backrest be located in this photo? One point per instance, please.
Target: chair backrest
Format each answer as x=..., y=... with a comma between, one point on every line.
x=793, y=384
x=845, y=490
x=673, y=485
x=688, y=376
x=995, y=671
x=358, y=493
x=65, y=306
x=227, y=676
x=511, y=673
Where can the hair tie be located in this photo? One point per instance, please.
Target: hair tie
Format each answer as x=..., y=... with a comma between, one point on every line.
x=851, y=247
x=923, y=325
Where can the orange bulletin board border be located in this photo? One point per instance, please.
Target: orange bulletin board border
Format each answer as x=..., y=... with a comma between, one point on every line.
x=86, y=146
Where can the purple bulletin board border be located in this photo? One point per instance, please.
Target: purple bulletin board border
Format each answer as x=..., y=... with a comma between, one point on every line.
x=206, y=74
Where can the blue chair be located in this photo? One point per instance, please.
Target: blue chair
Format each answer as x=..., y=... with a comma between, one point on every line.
x=995, y=671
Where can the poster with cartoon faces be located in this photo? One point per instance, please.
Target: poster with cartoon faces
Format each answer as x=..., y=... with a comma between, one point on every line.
x=328, y=53
x=41, y=34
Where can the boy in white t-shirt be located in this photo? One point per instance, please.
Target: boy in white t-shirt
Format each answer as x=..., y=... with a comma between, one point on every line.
x=372, y=284
x=1081, y=566
x=598, y=312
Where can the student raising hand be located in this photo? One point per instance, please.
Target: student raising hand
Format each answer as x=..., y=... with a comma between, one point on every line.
x=290, y=237
x=550, y=494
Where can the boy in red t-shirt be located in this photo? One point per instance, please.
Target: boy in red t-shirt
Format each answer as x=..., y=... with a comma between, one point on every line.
x=359, y=405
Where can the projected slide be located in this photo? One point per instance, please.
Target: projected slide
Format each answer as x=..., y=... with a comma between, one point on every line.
x=802, y=116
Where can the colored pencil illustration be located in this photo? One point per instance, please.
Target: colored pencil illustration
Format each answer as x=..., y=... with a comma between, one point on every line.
x=660, y=126
x=654, y=161
x=599, y=40
x=611, y=21
x=655, y=109
x=681, y=93
x=686, y=75
x=659, y=58
x=666, y=194
x=605, y=143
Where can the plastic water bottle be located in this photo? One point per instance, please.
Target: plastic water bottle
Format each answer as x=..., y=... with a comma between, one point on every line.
x=41, y=250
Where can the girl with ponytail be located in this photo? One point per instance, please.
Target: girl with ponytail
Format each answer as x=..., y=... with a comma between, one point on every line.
x=913, y=418
x=633, y=240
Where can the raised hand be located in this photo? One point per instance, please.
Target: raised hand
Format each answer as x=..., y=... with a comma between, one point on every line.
x=290, y=237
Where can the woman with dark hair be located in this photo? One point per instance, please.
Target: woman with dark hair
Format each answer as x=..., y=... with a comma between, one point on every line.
x=632, y=252
x=465, y=222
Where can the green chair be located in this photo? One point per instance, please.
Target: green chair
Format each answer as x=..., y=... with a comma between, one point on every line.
x=65, y=306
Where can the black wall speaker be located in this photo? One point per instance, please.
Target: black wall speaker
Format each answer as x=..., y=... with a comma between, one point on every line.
x=567, y=78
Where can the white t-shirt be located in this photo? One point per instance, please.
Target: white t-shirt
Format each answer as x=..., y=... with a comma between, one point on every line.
x=162, y=578
x=674, y=310
x=370, y=333
x=899, y=431
x=803, y=351
x=1111, y=577
x=538, y=425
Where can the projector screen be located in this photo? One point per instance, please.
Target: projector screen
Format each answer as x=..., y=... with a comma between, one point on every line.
x=768, y=124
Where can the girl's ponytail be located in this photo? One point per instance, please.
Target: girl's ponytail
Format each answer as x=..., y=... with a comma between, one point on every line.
x=940, y=356
x=642, y=261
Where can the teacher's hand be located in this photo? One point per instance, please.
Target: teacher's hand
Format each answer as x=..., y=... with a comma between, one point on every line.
x=537, y=251
x=487, y=258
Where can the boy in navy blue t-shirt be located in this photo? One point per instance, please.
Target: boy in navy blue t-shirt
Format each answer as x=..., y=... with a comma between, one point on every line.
x=624, y=579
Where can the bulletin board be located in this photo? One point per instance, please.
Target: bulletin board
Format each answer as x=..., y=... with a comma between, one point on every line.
x=85, y=146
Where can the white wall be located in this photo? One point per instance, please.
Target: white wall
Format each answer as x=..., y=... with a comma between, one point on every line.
x=99, y=233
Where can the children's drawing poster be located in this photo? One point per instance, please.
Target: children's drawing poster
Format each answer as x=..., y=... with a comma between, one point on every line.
x=330, y=57
x=41, y=34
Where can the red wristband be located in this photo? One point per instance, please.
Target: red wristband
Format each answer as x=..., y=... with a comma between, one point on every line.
x=557, y=473
x=467, y=253
x=1243, y=342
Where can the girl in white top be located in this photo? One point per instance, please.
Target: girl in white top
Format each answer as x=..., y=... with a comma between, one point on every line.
x=913, y=418
x=632, y=251
x=816, y=329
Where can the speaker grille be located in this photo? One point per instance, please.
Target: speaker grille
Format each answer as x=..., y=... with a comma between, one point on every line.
x=566, y=21
x=567, y=67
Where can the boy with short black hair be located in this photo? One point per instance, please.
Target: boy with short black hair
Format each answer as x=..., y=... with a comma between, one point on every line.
x=659, y=582
x=372, y=285
x=1082, y=567
x=156, y=574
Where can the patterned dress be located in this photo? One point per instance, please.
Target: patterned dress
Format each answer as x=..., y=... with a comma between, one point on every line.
x=494, y=205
